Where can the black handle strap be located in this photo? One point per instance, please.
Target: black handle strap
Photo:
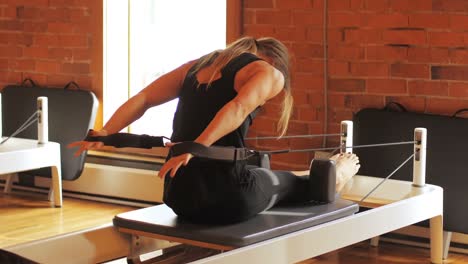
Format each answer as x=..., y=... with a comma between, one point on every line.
x=212, y=152
x=25, y=81
x=459, y=112
x=394, y=106
x=127, y=140
x=72, y=83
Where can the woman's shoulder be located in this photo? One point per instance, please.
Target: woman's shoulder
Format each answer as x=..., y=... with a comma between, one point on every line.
x=259, y=66
x=259, y=72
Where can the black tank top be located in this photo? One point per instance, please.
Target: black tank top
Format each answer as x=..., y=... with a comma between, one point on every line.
x=204, y=183
x=199, y=103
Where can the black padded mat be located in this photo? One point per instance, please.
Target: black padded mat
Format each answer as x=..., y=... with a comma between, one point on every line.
x=71, y=114
x=446, y=160
x=275, y=222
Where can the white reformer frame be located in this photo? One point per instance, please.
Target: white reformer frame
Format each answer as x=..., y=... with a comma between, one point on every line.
x=395, y=204
x=27, y=154
x=346, y=139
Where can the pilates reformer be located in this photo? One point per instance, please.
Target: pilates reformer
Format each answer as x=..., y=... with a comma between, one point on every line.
x=279, y=235
x=21, y=154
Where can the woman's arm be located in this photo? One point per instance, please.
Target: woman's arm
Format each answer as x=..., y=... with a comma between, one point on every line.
x=163, y=89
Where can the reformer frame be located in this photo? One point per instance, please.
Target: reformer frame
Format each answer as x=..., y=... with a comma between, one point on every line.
x=24, y=153
x=395, y=204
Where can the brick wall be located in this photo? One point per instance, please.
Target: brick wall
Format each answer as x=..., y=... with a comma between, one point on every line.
x=410, y=51
x=299, y=24
x=52, y=42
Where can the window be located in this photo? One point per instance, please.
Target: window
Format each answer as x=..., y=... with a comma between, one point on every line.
x=144, y=39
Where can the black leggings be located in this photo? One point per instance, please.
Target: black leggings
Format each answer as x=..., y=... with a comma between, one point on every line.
x=281, y=186
x=232, y=197
x=210, y=191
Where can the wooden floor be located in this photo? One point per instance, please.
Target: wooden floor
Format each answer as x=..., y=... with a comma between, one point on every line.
x=26, y=218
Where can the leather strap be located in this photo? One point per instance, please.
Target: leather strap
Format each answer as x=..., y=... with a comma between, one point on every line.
x=212, y=152
x=123, y=140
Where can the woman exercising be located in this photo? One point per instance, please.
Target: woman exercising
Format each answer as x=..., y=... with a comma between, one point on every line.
x=219, y=94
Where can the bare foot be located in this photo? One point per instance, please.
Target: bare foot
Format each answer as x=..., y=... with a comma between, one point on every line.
x=347, y=165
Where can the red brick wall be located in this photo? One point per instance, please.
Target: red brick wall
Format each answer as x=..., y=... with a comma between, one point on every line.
x=52, y=42
x=410, y=51
x=299, y=24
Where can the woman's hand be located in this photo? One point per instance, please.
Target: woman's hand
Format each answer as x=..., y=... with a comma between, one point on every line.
x=174, y=163
x=86, y=145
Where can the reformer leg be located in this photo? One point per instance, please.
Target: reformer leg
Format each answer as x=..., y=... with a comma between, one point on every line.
x=375, y=241
x=447, y=238
x=177, y=254
x=169, y=252
x=436, y=229
x=55, y=192
x=141, y=245
x=8, y=183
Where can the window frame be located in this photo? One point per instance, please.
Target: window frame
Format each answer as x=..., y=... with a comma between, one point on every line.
x=234, y=28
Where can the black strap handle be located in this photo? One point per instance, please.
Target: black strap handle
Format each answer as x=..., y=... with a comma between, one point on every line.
x=25, y=81
x=127, y=140
x=459, y=112
x=72, y=83
x=394, y=106
x=66, y=87
x=212, y=152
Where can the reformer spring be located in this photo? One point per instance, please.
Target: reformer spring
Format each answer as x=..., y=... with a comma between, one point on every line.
x=359, y=146
x=25, y=125
x=386, y=178
x=252, y=152
x=335, y=148
x=293, y=136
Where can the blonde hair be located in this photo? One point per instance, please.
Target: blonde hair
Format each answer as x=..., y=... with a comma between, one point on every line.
x=268, y=47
